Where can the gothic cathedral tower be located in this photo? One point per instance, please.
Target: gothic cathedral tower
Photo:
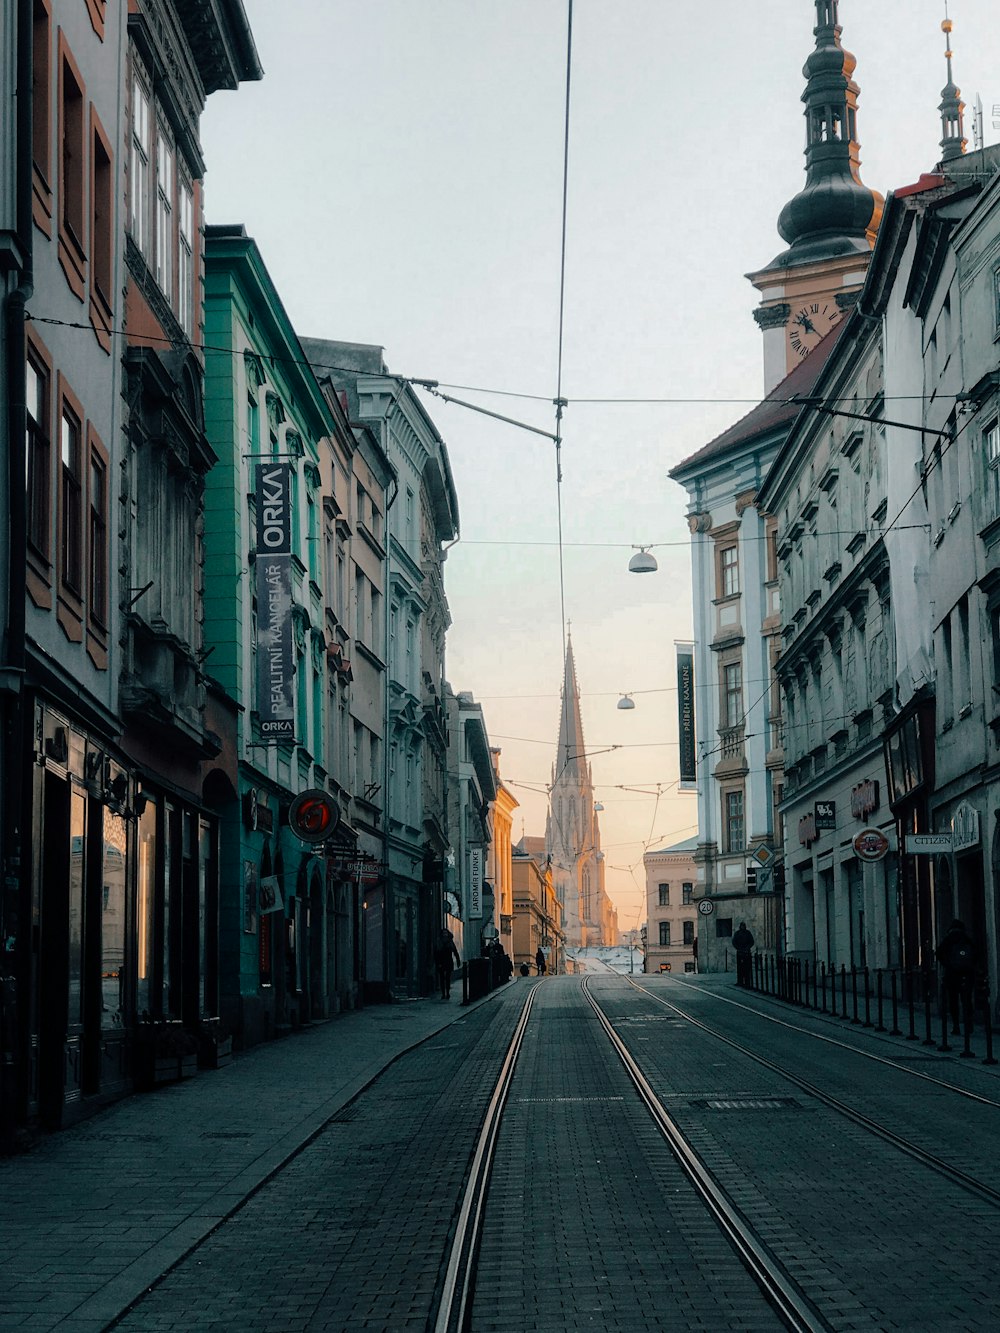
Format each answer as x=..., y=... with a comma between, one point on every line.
x=572, y=835
x=830, y=225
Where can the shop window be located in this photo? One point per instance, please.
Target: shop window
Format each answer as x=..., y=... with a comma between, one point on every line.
x=113, y=896
x=146, y=906
x=41, y=114
x=72, y=172
x=664, y=933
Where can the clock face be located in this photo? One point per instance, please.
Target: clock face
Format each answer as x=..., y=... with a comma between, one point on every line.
x=810, y=324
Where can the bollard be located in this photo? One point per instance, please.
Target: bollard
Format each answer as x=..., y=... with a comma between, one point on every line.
x=854, y=994
x=895, y=1030
x=868, y=997
x=465, y=983
x=988, y=1030
x=843, y=990
x=805, y=985
x=771, y=971
x=815, y=980
x=912, y=1036
x=823, y=966
x=880, y=1025
x=944, y=1024
x=928, y=1039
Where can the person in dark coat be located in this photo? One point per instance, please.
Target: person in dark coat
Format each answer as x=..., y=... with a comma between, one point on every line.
x=957, y=955
x=540, y=963
x=743, y=944
x=446, y=959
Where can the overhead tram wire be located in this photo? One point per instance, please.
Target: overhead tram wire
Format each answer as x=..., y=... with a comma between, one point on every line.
x=559, y=401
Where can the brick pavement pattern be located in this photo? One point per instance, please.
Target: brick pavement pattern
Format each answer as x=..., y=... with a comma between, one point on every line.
x=93, y=1215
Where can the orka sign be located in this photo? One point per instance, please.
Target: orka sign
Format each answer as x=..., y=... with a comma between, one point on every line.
x=314, y=815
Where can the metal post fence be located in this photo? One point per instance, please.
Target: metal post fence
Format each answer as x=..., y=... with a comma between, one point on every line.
x=880, y=1025
x=823, y=966
x=843, y=990
x=854, y=995
x=988, y=1028
x=911, y=995
x=928, y=1039
x=868, y=998
x=895, y=1030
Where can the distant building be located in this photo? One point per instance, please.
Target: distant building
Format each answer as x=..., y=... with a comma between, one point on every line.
x=572, y=830
x=671, y=910
x=501, y=852
x=471, y=793
x=538, y=918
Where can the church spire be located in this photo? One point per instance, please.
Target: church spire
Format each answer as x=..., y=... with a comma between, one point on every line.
x=835, y=214
x=571, y=755
x=953, y=138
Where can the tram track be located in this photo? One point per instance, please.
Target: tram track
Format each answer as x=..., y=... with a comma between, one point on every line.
x=928, y=1159
x=792, y=1305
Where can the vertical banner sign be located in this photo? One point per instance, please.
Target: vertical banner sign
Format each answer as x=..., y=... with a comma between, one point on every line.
x=275, y=647
x=475, y=882
x=685, y=716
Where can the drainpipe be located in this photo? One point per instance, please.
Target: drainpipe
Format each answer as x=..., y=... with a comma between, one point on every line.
x=14, y=909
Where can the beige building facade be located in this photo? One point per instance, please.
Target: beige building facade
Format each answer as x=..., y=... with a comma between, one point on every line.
x=671, y=908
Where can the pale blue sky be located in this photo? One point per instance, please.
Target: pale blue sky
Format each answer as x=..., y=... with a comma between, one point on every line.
x=400, y=166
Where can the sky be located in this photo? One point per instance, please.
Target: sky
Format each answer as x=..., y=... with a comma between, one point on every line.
x=400, y=166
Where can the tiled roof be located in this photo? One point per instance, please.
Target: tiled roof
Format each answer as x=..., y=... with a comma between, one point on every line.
x=775, y=410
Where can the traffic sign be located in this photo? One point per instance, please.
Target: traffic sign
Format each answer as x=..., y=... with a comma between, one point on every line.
x=706, y=907
x=870, y=844
x=763, y=854
x=928, y=844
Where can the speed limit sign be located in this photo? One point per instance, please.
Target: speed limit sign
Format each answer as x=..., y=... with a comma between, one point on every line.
x=706, y=907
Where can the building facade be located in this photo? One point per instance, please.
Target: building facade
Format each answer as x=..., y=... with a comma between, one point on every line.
x=538, y=912
x=472, y=791
x=406, y=910
x=501, y=852
x=672, y=910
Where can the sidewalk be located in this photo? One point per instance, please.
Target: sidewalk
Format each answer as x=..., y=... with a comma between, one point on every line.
x=93, y=1215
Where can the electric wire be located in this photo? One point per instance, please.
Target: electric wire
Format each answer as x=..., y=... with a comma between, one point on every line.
x=562, y=320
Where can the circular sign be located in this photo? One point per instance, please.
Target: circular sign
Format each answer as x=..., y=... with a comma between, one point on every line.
x=706, y=907
x=490, y=932
x=870, y=844
x=314, y=815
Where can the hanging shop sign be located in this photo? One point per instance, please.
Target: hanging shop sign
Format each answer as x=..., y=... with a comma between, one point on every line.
x=685, y=716
x=864, y=798
x=807, y=829
x=313, y=815
x=362, y=869
x=273, y=566
x=965, y=827
x=870, y=844
x=475, y=882
x=928, y=844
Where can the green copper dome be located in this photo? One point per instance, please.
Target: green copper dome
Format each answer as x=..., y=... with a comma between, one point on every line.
x=835, y=214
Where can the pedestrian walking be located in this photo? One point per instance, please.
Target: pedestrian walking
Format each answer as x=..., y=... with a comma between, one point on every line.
x=446, y=959
x=743, y=944
x=540, y=963
x=957, y=955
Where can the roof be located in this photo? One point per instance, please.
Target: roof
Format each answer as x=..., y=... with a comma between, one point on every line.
x=688, y=845
x=773, y=411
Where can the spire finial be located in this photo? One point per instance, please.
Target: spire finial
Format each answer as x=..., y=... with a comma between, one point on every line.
x=953, y=140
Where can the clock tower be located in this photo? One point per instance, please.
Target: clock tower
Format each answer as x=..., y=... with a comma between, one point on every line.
x=830, y=225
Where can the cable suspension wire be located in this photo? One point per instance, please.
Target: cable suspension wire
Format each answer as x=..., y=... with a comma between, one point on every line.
x=559, y=401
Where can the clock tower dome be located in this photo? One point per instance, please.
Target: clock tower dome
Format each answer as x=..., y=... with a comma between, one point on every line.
x=829, y=227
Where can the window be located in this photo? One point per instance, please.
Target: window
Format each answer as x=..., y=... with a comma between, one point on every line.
x=185, y=256
x=689, y=932
x=71, y=498
x=97, y=592
x=164, y=214
x=665, y=932
x=689, y=966
x=729, y=571
x=733, y=834
x=991, y=453
x=687, y=892
x=72, y=173
x=732, y=694
x=41, y=114
x=139, y=167
x=664, y=892
x=723, y=927
x=360, y=629
x=39, y=456
x=102, y=222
